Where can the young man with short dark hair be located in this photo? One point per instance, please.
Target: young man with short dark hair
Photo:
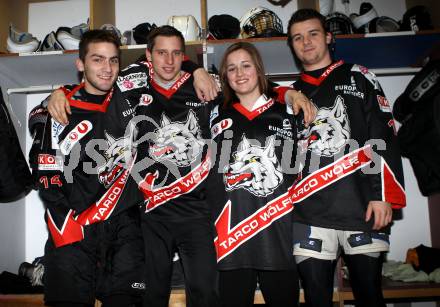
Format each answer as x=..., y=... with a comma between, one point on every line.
x=352, y=169
x=175, y=213
x=83, y=262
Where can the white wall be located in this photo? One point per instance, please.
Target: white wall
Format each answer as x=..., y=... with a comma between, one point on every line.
x=130, y=13
x=45, y=17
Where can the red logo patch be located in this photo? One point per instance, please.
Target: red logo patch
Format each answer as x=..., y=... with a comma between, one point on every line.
x=384, y=105
x=73, y=136
x=46, y=159
x=127, y=84
x=363, y=69
x=146, y=99
x=48, y=162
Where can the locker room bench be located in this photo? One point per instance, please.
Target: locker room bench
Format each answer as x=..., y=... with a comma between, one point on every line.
x=392, y=291
x=177, y=299
x=395, y=291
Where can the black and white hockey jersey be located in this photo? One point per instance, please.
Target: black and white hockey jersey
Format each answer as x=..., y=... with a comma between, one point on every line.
x=114, y=156
x=350, y=154
x=249, y=185
x=172, y=161
x=172, y=136
x=67, y=163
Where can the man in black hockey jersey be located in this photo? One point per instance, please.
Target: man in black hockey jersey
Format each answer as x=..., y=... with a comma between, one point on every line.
x=102, y=260
x=171, y=167
x=352, y=169
x=170, y=170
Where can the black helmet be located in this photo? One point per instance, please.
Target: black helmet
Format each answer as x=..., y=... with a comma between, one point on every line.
x=338, y=23
x=260, y=22
x=224, y=26
x=141, y=31
x=416, y=18
x=383, y=24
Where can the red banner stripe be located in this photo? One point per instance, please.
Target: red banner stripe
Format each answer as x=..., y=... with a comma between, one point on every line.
x=228, y=240
x=156, y=197
x=102, y=209
x=322, y=178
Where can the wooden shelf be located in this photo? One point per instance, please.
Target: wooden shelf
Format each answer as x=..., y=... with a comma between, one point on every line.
x=25, y=300
x=177, y=299
x=392, y=291
x=397, y=290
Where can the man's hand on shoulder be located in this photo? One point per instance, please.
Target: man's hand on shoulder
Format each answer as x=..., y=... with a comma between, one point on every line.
x=205, y=85
x=58, y=107
x=299, y=101
x=382, y=212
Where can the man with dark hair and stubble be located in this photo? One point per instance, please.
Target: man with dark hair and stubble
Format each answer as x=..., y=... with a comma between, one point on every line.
x=175, y=213
x=352, y=171
x=83, y=262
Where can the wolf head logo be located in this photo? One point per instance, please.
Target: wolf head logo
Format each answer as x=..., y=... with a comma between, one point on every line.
x=255, y=169
x=329, y=132
x=178, y=142
x=117, y=154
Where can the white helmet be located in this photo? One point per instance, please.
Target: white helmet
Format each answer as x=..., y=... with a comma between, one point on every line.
x=111, y=28
x=366, y=14
x=186, y=24
x=70, y=37
x=326, y=7
x=21, y=41
x=260, y=22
